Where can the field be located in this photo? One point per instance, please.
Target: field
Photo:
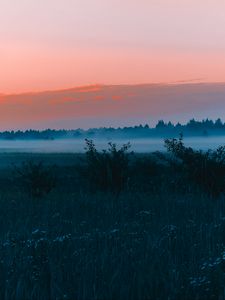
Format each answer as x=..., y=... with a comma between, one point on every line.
x=160, y=237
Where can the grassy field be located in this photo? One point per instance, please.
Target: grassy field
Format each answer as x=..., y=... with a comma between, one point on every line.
x=161, y=237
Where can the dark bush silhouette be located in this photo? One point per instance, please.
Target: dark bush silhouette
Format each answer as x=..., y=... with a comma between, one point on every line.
x=107, y=170
x=146, y=172
x=37, y=179
x=206, y=169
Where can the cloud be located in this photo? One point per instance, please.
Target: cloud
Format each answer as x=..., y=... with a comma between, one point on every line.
x=121, y=104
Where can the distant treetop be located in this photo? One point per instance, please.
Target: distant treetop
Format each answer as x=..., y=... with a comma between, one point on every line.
x=162, y=129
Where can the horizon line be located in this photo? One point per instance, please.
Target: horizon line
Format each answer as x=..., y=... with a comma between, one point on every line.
x=120, y=127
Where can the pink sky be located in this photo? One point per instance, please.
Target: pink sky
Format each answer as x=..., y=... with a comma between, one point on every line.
x=53, y=44
x=113, y=105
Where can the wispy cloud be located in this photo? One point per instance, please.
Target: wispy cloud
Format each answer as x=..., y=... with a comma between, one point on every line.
x=118, y=104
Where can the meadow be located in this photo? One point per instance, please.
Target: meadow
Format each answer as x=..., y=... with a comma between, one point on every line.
x=112, y=225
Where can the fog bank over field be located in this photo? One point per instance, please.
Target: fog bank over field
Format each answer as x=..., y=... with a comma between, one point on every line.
x=77, y=146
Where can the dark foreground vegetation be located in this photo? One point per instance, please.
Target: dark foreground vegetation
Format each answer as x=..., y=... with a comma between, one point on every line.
x=113, y=225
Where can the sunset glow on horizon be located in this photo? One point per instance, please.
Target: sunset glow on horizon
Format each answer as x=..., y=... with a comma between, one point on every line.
x=47, y=45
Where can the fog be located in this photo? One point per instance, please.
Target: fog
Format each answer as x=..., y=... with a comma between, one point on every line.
x=77, y=146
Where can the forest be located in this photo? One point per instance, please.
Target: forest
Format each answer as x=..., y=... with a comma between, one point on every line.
x=162, y=129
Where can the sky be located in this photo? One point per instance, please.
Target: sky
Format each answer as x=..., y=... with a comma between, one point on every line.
x=112, y=105
x=55, y=44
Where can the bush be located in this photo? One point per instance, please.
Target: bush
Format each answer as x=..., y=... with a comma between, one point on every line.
x=37, y=179
x=107, y=170
x=206, y=169
x=146, y=173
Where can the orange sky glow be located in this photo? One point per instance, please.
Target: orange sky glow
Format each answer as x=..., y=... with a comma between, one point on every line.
x=53, y=45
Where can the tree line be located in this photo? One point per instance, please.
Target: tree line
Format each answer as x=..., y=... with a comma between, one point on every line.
x=161, y=129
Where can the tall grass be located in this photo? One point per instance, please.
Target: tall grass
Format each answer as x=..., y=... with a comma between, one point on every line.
x=135, y=246
x=161, y=237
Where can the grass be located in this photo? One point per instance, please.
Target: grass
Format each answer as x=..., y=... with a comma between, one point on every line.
x=160, y=238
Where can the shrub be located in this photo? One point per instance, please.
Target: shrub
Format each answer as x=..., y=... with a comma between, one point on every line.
x=37, y=179
x=107, y=170
x=146, y=172
x=206, y=169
